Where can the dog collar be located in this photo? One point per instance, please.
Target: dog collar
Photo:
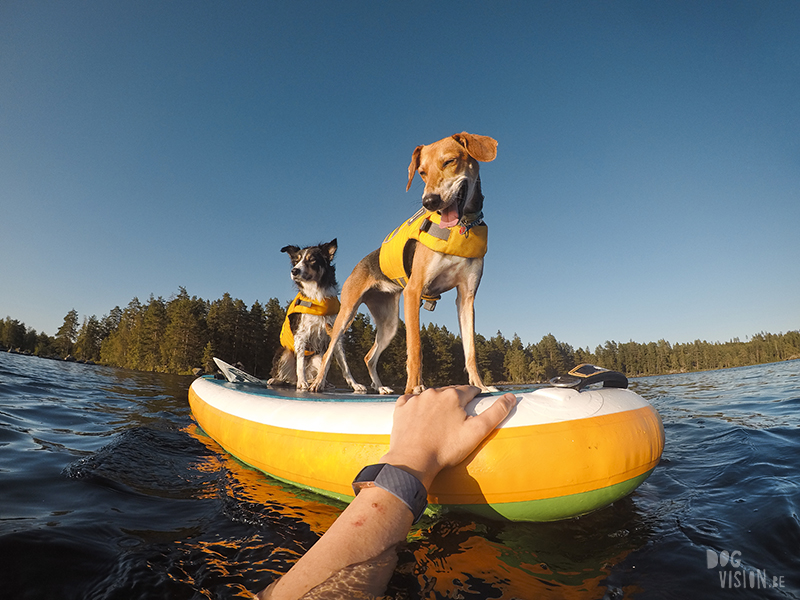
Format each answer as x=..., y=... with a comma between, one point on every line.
x=467, y=222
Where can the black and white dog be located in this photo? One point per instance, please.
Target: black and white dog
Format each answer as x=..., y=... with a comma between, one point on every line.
x=309, y=318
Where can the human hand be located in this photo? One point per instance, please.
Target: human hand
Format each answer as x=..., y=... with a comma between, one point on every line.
x=431, y=431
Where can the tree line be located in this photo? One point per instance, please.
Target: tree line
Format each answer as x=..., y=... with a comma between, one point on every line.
x=185, y=332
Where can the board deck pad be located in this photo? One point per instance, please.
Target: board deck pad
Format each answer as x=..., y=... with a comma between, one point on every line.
x=336, y=395
x=238, y=379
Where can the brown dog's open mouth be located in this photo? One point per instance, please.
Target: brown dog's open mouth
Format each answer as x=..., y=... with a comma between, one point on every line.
x=451, y=214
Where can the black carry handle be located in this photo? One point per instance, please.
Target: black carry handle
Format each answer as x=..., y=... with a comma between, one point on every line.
x=585, y=374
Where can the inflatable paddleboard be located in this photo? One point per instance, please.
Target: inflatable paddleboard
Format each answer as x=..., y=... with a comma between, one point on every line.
x=564, y=450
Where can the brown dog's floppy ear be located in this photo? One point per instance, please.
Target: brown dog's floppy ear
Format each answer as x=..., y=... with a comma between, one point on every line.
x=412, y=168
x=479, y=147
x=291, y=250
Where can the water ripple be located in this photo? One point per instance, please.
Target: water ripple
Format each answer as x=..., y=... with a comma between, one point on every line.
x=110, y=491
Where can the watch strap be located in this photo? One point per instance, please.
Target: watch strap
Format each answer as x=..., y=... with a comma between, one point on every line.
x=397, y=482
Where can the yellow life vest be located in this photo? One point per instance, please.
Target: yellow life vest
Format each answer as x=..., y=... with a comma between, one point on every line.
x=301, y=304
x=470, y=241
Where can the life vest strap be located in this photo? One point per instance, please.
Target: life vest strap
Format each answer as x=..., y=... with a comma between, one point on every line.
x=438, y=232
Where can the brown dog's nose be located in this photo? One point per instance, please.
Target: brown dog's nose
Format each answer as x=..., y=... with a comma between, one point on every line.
x=432, y=201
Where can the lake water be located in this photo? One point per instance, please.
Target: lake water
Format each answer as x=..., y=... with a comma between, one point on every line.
x=109, y=490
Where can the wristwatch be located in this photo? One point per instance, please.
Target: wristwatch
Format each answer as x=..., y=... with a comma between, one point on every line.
x=397, y=482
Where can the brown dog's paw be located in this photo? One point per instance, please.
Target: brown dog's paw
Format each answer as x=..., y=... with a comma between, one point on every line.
x=415, y=389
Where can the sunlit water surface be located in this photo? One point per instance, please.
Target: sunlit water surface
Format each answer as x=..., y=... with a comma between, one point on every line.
x=109, y=490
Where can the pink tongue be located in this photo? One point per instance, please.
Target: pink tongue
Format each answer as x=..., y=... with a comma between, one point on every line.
x=449, y=216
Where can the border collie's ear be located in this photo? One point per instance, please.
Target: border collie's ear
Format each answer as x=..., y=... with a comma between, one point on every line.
x=291, y=250
x=330, y=248
x=412, y=168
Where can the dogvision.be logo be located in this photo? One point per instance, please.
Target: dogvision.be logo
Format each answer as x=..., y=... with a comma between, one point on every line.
x=733, y=574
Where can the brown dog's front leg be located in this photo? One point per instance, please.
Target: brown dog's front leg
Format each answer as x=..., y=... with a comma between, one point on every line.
x=465, y=303
x=411, y=299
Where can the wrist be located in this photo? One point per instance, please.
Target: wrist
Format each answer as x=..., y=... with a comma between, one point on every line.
x=398, y=482
x=424, y=470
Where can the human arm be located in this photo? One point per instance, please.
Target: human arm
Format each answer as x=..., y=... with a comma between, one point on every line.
x=430, y=431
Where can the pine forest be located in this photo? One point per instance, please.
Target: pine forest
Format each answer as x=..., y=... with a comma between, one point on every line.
x=184, y=333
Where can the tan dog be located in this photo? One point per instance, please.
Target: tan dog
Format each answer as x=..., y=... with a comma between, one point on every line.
x=443, y=248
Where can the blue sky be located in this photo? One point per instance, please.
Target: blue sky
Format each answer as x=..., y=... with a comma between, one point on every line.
x=647, y=182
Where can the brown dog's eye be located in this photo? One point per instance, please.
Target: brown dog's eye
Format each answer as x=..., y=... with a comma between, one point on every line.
x=448, y=162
